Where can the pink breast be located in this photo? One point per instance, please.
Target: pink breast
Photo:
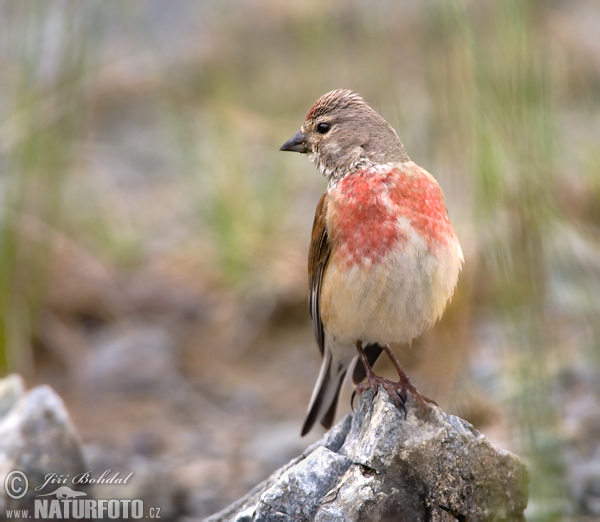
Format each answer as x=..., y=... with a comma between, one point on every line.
x=366, y=207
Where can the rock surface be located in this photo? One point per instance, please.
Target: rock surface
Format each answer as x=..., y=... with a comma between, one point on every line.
x=36, y=438
x=377, y=465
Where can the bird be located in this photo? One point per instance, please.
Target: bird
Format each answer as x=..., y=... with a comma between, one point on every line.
x=384, y=259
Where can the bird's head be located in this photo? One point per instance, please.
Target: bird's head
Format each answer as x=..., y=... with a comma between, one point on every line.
x=342, y=133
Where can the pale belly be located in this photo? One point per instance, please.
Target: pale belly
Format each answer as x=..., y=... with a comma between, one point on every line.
x=392, y=300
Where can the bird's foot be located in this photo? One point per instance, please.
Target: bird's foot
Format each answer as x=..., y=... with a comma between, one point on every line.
x=397, y=391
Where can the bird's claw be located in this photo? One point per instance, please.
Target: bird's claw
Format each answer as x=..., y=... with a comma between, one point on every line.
x=397, y=391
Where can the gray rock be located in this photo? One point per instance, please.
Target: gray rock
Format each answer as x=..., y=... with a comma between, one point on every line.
x=377, y=465
x=38, y=439
x=152, y=481
x=131, y=359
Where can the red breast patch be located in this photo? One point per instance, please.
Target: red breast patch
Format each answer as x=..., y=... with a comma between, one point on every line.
x=366, y=207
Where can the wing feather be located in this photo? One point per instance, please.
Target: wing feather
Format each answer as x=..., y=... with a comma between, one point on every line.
x=318, y=255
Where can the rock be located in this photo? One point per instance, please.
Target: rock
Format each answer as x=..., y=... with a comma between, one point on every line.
x=152, y=481
x=377, y=465
x=131, y=359
x=37, y=438
x=585, y=484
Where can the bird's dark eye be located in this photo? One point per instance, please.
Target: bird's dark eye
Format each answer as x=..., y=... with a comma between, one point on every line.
x=323, y=127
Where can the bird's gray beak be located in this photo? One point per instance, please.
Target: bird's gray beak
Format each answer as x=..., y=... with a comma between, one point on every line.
x=297, y=143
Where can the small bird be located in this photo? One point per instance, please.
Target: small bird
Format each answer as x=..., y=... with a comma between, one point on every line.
x=383, y=259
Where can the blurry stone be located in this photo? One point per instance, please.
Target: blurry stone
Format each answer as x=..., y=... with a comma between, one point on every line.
x=151, y=480
x=377, y=465
x=204, y=481
x=274, y=444
x=585, y=485
x=36, y=438
x=131, y=358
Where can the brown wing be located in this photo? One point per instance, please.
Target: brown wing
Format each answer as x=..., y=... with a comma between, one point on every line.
x=318, y=255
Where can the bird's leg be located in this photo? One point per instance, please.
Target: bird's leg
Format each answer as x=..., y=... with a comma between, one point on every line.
x=404, y=381
x=396, y=390
x=374, y=380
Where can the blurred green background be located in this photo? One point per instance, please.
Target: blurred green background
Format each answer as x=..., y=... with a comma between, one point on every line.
x=153, y=240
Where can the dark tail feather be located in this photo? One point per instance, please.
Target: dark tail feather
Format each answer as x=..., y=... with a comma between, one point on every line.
x=373, y=351
x=324, y=401
x=329, y=417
